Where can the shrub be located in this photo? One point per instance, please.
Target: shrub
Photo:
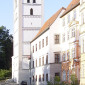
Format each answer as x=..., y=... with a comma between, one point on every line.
x=74, y=80
x=4, y=74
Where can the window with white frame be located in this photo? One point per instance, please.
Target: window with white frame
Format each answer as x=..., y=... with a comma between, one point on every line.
x=68, y=35
x=33, y=64
x=46, y=40
x=64, y=57
x=42, y=42
x=39, y=61
x=68, y=55
x=36, y=47
x=40, y=45
x=83, y=70
x=28, y=1
x=82, y=18
x=82, y=46
x=57, y=39
x=68, y=18
x=73, y=53
x=63, y=21
x=73, y=32
x=46, y=59
x=46, y=77
x=74, y=14
x=36, y=62
x=33, y=49
x=57, y=58
x=42, y=60
x=64, y=76
x=63, y=37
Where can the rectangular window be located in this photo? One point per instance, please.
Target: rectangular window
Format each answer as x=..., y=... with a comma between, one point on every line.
x=39, y=78
x=46, y=59
x=33, y=49
x=36, y=47
x=73, y=32
x=64, y=56
x=28, y=1
x=42, y=60
x=39, y=61
x=64, y=22
x=33, y=78
x=34, y=1
x=63, y=36
x=57, y=58
x=33, y=64
x=82, y=18
x=73, y=53
x=30, y=81
x=57, y=74
x=36, y=62
x=74, y=14
x=42, y=43
x=43, y=77
x=56, y=39
x=68, y=55
x=46, y=41
x=83, y=70
x=46, y=77
x=36, y=77
x=82, y=45
x=68, y=35
x=68, y=18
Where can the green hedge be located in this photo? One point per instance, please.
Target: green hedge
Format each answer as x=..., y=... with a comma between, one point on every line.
x=4, y=74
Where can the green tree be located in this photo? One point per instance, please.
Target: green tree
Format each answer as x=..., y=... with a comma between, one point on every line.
x=6, y=48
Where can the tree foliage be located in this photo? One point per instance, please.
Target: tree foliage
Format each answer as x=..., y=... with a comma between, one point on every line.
x=6, y=48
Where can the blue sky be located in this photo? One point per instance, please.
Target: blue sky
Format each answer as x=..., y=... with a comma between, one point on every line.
x=6, y=11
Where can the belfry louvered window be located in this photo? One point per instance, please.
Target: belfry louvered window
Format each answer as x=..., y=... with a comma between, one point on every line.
x=31, y=11
x=28, y=1
x=34, y=1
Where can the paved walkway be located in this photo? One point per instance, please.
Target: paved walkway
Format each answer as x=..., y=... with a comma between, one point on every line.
x=4, y=83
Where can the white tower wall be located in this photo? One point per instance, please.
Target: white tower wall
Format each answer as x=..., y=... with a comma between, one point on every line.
x=26, y=26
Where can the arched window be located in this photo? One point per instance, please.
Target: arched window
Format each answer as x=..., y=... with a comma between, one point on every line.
x=31, y=11
x=34, y=1
x=28, y=1
x=64, y=76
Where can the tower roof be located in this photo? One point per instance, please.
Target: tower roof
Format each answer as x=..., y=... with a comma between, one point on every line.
x=72, y=5
x=48, y=23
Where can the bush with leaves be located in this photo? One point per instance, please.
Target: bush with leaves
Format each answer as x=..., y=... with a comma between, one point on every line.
x=74, y=80
x=4, y=74
x=56, y=81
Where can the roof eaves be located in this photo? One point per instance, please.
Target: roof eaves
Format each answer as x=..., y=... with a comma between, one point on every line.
x=40, y=34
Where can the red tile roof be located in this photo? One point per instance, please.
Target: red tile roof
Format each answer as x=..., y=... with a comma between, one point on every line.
x=48, y=23
x=72, y=5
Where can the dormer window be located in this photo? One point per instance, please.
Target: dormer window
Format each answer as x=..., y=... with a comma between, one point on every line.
x=34, y=1
x=31, y=11
x=28, y=1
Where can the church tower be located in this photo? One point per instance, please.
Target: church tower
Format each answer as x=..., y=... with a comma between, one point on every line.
x=28, y=19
